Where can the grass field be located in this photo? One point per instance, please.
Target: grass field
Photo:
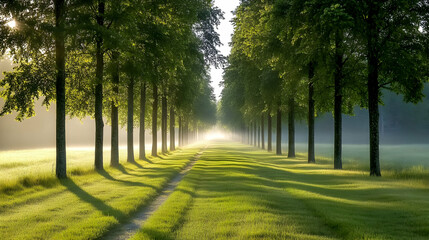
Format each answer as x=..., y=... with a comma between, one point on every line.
x=21, y=168
x=239, y=192
x=234, y=191
x=88, y=205
x=392, y=157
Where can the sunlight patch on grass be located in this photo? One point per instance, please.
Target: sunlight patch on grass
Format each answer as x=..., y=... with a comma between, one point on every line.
x=244, y=193
x=90, y=203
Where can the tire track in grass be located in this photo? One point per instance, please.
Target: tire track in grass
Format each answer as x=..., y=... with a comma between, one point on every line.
x=130, y=228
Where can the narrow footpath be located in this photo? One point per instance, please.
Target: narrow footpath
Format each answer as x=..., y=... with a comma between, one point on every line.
x=130, y=228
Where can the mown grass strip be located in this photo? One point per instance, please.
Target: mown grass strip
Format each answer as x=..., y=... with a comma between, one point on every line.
x=88, y=206
x=238, y=192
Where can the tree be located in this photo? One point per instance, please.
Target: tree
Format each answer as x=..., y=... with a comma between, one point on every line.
x=394, y=52
x=24, y=44
x=61, y=164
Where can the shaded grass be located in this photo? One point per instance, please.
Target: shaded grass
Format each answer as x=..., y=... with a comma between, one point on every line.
x=20, y=169
x=89, y=204
x=27, y=168
x=237, y=192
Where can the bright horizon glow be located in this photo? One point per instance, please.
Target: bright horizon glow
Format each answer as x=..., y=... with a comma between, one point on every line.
x=225, y=31
x=213, y=135
x=11, y=24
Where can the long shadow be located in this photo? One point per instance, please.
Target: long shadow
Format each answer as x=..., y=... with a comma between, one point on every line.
x=121, y=168
x=138, y=165
x=275, y=178
x=128, y=183
x=147, y=160
x=105, y=209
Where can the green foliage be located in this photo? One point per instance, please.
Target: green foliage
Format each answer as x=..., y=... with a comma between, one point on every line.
x=155, y=42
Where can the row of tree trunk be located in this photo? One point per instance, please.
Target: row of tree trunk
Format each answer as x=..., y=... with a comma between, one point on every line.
x=252, y=131
x=184, y=132
x=60, y=51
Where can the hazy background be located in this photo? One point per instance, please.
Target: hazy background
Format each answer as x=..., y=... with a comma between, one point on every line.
x=39, y=131
x=400, y=123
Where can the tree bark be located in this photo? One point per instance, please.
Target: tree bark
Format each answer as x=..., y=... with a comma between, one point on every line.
x=142, y=144
x=259, y=136
x=99, y=125
x=338, y=104
x=172, y=129
x=249, y=135
x=164, y=123
x=130, y=122
x=291, y=128
x=60, y=56
x=254, y=134
x=155, y=121
x=269, y=133
x=186, y=135
x=373, y=92
x=180, y=132
x=311, y=154
x=279, y=133
x=114, y=146
x=262, y=132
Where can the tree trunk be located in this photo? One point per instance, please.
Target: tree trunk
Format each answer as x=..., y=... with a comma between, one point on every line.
x=262, y=132
x=164, y=123
x=186, y=135
x=114, y=146
x=259, y=136
x=291, y=127
x=338, y=104
x=155, y=121
x=254, y=135
x=270, y=133
x=130, y=122
x=195, y=131
x=172, y=130
x=142, y=145
x=180, y=132
x=60, y=56
x=311, y=154
x=99, y=125
x=249, y=135
x=279, y=133
x=373, y=93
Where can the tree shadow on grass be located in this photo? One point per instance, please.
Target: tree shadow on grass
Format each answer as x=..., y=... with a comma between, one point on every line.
x=147, y=160
x=121, y=168
x=105, y=209
x=138, y=164
x=125, y=182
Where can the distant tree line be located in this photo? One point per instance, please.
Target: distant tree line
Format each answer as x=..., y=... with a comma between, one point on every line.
x=306, y=57
x=116, y=61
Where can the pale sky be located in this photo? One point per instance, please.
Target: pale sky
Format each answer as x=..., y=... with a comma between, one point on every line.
x=225, y=31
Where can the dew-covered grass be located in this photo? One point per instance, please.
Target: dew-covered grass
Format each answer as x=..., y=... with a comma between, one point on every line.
x=88, y=204
x=240, y=192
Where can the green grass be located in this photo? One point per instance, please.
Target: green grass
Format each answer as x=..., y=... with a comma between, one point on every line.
x=21, y=169
x=239, y=192
x=392, y=157
x=87, y=205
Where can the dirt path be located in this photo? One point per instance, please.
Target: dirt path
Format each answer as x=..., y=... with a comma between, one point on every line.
x=130, y=228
